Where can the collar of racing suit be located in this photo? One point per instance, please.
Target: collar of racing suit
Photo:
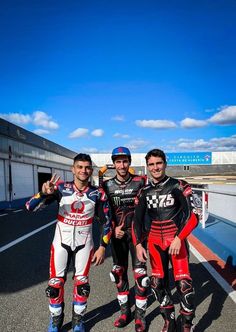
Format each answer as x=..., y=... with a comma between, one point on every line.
x=161, y=183
x=123, y=182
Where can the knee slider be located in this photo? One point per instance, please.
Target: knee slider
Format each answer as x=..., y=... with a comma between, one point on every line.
x=186, y=293
x=116, y=273
x=157, y=283
x=82, y=286
x=140, y=275
x=55, y=285
x=160, y=292
x=84, y=290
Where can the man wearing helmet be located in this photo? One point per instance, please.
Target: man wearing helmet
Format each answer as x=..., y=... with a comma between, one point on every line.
x=122, y=191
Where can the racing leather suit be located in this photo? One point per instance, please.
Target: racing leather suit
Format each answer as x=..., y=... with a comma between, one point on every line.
x=170, y=210
x=73, y=239
x=122, y=197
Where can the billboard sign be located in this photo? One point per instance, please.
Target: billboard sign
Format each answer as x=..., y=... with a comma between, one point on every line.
x=189, y=158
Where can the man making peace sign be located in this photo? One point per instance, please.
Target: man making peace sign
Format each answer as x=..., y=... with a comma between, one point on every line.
x=79, y=202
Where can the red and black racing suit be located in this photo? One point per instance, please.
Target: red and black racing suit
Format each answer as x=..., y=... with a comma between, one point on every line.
x=73, y=239
x=122, y=197
x=170, y=209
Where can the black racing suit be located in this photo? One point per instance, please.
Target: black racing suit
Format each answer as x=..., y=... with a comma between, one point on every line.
x=121, y=196
x=170, y=209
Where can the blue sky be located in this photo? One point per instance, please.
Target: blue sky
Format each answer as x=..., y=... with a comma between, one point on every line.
x=93, y=75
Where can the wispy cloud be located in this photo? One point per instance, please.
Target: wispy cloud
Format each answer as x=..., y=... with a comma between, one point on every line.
x=17, y=118
x=137, y=144
x=41, y=131
x=226, y=116
x=42, y=119
x=193, y=123
x=156, y=124
x=97, y=132
x=38, y=119
x=82, y=132
x=214, y=144
x=118, y=118
x=79, y=132
x=118, y=135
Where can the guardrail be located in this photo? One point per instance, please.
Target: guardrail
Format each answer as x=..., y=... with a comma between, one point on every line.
x=204, y=202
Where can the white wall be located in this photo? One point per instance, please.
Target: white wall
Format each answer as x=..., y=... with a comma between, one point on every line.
x=226, y=157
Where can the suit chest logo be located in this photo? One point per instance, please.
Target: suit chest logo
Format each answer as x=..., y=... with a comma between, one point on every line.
x=154, y=201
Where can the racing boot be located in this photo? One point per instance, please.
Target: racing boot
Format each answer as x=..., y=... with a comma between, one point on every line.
x=140, y=323
x=55, y=323
x=169, y=317
x=77, y=323
x=125, y=315
x=187, y=323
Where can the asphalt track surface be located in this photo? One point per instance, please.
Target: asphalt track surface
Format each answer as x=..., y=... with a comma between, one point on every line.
x=24, y=275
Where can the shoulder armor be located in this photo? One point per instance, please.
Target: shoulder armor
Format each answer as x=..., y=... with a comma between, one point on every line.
x=185, y=187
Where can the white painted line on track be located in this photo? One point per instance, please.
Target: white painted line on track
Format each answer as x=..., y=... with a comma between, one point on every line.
x=4, y=214
x=22, y=238
x=17, y=210
x=221, y=281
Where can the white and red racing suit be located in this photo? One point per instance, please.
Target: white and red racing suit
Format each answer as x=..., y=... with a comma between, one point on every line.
x=170, y=210
x=73, y=239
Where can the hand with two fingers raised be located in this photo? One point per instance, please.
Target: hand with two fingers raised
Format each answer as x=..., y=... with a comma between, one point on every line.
x=49, y=186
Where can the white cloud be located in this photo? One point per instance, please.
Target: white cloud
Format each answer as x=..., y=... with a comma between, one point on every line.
x=227, y=116
x=118, y=135
x=17, y=118
x=41, y=131
x=42, y=119
x=38, y=118
x=224, y=143
x=118, y=118
x=214, y=144
x=197, y=145
x=137, y=144
x=156, y=124
x=192, y=123
x=79, y=132
x=97, y=132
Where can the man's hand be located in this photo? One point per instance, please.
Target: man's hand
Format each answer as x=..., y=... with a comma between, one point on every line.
x=119, y=233
x=175, y=246
x=99, y=256
x=141, y=253
x=48, y=187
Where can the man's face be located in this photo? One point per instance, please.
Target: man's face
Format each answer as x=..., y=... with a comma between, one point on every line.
x=122, y=164
x=82, y=170
x=156, y=168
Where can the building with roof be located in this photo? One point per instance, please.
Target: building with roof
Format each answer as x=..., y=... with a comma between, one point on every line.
x=28, y=160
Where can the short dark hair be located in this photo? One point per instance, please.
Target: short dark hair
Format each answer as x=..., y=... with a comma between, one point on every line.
x=83, y=157
x=155, y=153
